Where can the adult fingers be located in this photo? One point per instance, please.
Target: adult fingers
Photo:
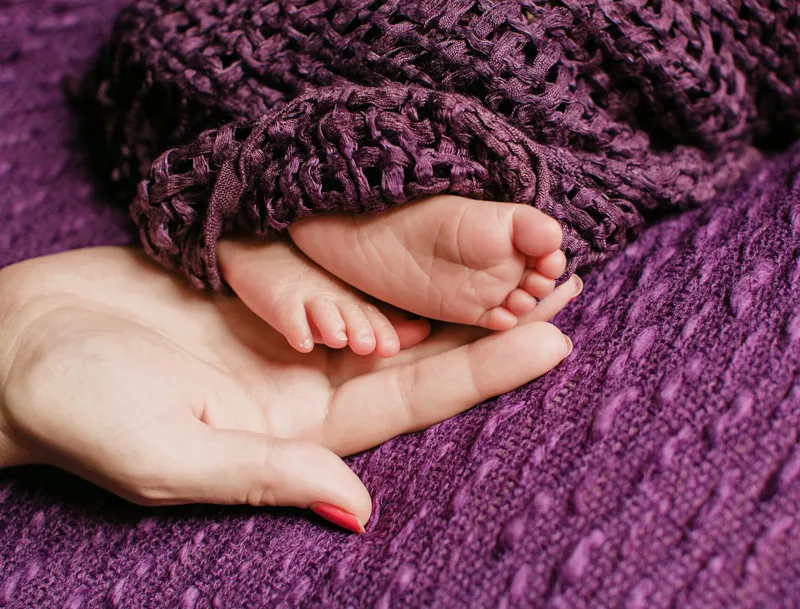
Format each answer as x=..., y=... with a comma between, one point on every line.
x=373, y=408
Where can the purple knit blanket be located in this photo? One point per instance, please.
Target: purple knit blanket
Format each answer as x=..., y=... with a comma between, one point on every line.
x=601, y=113
x=658, y=466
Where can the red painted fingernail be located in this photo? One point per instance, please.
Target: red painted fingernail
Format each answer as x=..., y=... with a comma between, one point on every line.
x=337, y=516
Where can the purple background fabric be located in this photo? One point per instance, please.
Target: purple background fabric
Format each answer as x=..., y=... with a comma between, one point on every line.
x=658, y=466
x=49, y=203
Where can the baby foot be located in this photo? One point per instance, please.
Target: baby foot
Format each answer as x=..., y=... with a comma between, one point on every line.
x=445, y=257
x=307, y=305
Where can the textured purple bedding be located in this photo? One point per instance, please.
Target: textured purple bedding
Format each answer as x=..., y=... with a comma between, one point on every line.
x=659, y=466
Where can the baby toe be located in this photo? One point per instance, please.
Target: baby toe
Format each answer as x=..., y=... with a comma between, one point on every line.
x=360, y=335
x=292, y=322
x=536, y=284
x=325, y=315
x=520, y=302
x=387, y=343
x=498, y=319
x=551, y=266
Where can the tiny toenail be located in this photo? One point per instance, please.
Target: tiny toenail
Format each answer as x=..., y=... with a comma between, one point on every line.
x=342, y=335
x=367, y=338
x=570, y=346
x=306, y=343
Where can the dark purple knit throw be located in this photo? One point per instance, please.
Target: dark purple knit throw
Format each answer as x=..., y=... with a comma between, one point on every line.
x=599, y=112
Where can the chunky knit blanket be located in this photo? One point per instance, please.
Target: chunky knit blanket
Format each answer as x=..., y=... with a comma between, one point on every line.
x=598, y=112
x=659, y=466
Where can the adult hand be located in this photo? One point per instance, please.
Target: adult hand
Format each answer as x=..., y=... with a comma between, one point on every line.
x=111, y=369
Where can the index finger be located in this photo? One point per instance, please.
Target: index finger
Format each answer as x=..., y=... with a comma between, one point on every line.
x=368, y=410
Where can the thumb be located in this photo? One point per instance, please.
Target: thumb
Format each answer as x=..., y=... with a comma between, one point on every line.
x=237, y=467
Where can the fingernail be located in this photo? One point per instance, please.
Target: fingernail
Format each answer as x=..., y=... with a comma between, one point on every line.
x=337, y=516
x=306, y=343
x=570, y=346
x=579, y=286
x=342, y=335
x=367, y=339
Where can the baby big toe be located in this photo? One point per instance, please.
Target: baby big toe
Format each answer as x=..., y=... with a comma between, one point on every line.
x=325, y=315
x=535, y=233
x=292, y=322
x=360, y=335
x=387, y=343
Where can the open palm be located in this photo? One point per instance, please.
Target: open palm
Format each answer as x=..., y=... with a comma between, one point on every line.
x=114, y=371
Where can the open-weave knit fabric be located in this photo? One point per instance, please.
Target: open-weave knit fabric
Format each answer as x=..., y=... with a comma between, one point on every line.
x=599, y=112
x=659, y=466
